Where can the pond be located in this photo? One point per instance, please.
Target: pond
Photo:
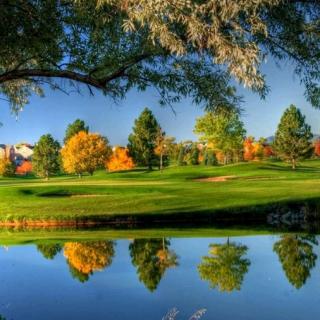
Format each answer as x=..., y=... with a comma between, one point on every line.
x=242, y=277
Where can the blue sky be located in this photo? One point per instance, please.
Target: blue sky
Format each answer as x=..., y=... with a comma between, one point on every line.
x=54, y=112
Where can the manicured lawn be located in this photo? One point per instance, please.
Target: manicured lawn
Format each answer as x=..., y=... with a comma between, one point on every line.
x=144, y=193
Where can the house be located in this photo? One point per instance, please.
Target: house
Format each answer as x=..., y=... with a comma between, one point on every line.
x=17, y=153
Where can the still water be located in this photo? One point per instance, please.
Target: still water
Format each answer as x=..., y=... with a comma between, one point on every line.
x=251, y=277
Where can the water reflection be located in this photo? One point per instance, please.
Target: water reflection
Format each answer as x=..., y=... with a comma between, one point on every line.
x=226, y=267
x=49, y=251
x=84, y=258
x=297, y=257
x=152, y=257
x=261, y=270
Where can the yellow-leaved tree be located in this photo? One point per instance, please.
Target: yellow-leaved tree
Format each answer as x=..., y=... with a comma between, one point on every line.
x=85, y=152
x=120, y=160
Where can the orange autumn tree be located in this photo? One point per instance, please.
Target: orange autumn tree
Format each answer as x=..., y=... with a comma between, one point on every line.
x=24, y=168
x=86, y=257
x=249, y=149
x=85, y=152
x=317, y=148
x=119, y=160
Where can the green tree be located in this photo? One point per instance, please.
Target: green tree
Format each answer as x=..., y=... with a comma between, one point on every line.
x=293, y=137
x=46, y=157
x=7, y=168
x=194, y=154
x=225, y=267
x=181, y=48
x=297, y=257
x=209, y=158
x=152, y=258
x=142, y=141
x=74, y=128
x=223, y=131
x=49, y=251
x=181, y=155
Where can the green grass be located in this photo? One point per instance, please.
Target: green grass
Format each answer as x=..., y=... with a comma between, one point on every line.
x=141, y=193
x=26, y=236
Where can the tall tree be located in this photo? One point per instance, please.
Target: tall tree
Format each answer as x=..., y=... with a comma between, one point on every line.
x=293, y=137
x=85, y=152
x=182, y=48
x=142, y=141
x=297, y=257
x=152, y=258
x=74, y=128
x=223, y=130
x=84, y=258
x=46, y=157
x=49, y=251
x=225, y=267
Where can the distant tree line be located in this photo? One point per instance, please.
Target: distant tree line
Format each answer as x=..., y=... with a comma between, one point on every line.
x=222, y=140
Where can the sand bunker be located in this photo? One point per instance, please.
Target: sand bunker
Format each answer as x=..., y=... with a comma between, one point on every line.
x=216, y=179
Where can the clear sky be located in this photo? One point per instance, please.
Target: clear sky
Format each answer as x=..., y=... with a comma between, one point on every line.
x=53, y=113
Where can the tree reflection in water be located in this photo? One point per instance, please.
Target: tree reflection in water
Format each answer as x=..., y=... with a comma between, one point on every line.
x=225, y=267
x=49, y=251
x=296, y=255
x=84, y=258
x=152, y=257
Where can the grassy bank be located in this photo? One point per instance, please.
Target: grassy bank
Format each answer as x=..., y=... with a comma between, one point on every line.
x=178, y=191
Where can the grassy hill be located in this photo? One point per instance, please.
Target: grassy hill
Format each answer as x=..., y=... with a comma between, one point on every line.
x=177, y=192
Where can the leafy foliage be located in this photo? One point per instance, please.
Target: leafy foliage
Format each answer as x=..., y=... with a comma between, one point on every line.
x=180, y=48
x=7, y=168
x=49, y=251
x=24, y=168
x=152, y=258
x=142, y=142
x=222, y=130
x=226, y=267
x=46, y=156
x=297, y=257
x=86, y=257
x=74, y=128
x=293, y=137
x=85, y=152
x=119, y=160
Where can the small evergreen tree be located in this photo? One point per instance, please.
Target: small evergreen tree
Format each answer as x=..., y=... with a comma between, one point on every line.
x=142, y=141
x=293, y=137
x=74, y=128
x=46, y=157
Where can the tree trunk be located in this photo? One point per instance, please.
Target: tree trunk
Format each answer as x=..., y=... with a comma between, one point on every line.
x=294, y=164
x=161, y=162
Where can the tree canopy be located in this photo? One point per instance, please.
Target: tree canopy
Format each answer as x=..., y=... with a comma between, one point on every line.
x=223, y=131
x=181, y=48
x=143, y=140
x=85, y=152
x=293, y=137
x=74, y=128
x=297, y=257
x=226, y=267
x=152, y=258
x=46, y=156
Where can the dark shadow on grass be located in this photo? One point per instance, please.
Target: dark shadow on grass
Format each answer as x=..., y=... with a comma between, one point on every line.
x=289, y=169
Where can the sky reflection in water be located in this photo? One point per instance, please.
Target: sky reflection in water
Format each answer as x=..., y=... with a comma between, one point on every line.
x=262, y=277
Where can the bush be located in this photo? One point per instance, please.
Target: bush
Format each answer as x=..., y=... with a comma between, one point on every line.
x=7, y=168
